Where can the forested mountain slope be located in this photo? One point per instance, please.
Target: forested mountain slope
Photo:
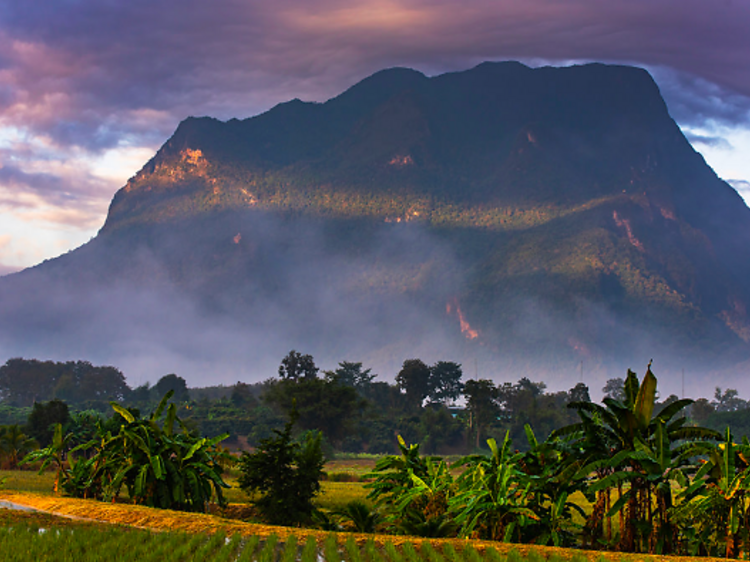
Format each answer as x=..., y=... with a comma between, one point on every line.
x=514, y=219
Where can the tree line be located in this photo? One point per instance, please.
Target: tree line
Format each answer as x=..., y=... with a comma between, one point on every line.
x=672, y=486
x=354, y=410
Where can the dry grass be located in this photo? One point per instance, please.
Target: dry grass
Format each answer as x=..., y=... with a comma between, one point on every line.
x=172, y=521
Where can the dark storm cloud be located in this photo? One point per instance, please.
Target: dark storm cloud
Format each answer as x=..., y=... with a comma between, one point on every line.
x=91, y=60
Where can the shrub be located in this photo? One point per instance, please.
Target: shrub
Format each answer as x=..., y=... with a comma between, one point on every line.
x=286, y=474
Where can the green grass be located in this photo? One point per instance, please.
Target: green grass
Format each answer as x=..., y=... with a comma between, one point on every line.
x=335, y=495
x=36, y=537
x=27, y=481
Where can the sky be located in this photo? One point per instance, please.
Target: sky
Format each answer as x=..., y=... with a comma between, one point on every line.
x=89, y=89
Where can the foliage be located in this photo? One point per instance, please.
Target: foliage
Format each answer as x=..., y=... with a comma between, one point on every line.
x=26, y=381
x=172, y=382
x=160, y=467
x=359, y=516
x=43, y=418
x=14, y=445
x=285, y=473
x=625, y=445
x=492, y=497
x=296, y=366
x=414, y=380
x=714, y=508
x=352, y=374
x=414, y=491
x=321, y=404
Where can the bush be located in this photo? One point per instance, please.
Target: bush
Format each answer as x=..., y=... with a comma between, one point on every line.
x=286, y=474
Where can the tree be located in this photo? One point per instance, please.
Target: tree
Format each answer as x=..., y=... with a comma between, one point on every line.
x=296, y=366
x=140, y=394
x=176, y=384
x=55, y=453
x=286, y=474
x=80, y=381
x=445, y=382
x=352, y=374
x=414, y=491
x=728, y=401
x=580, y=393
x=700, y=410
x=491, y=500
x=242, y=396
x=43, y=418
x=15, y=444
x=414, y=380
x=714, y=506
x=322, y=404
x=615, y=389
x=26, y=381
x=481, y=396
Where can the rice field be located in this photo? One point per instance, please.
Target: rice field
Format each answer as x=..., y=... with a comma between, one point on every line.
x=128, y=532
x=27, y=541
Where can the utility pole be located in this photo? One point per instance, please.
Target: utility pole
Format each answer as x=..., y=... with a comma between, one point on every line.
x=581, y=370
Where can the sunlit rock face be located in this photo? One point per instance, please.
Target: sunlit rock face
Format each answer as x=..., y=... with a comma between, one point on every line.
x=519, y=220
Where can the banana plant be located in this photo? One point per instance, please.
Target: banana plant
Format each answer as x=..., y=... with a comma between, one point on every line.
x=492, y=494
x=413, y=490
x=55, y=454
x=159, y=466
x=628, y=448
x=715, y=505
x=393, y=474
x=550, y=486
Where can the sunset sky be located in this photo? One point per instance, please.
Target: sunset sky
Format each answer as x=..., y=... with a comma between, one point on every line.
x=89, y=89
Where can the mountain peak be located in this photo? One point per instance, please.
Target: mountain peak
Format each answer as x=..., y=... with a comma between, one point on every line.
x=561, y=208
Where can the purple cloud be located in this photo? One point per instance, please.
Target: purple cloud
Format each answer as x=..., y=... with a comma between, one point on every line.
x=81, y=63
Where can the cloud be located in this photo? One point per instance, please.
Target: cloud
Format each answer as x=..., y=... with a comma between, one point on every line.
x=63, y=195
x=75, y=67
x=83, y=79
x=8, y=269
x=716, y=142
x=742, y=187
x=694, y=101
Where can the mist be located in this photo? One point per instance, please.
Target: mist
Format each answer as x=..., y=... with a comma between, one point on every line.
x=223, y=299
x=228, y=302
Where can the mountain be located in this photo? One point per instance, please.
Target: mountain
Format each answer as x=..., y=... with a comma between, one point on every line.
x=518, y=220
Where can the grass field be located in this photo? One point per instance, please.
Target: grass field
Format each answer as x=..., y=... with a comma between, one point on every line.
x=37, y=537
x=186, y=536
